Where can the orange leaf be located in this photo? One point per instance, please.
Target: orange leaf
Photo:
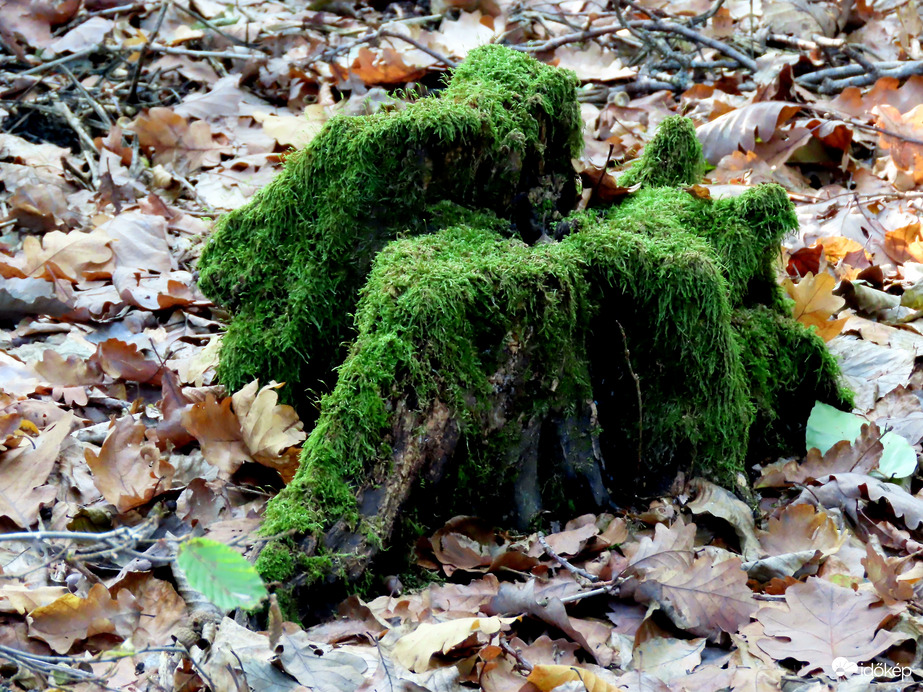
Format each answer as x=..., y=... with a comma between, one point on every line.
x=905, y=243
x=128, y=470
x=547, y=677
x=71, y=618
x=815, y=303
x=837, y=248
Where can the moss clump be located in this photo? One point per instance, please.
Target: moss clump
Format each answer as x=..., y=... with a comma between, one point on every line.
x=290, y=263
x=276, y=561
x=408, y=221
x=673, y=159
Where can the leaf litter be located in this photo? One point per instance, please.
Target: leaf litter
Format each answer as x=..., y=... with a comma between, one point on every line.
x=126, y=129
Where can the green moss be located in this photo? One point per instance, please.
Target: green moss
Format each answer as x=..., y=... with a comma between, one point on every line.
x=290, y=263
x=276, y=561
x=385, y=257
x=673, y=157
x=787, y=373
x=438, y=311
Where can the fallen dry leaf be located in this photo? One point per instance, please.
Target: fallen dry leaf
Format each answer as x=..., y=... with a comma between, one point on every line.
x=815, y=303
x=217, y=429
x=548, y=677
x=185, y=146
x=24, y=470
x=415, y=649
x=698, y=594
x=70, y=618
x=268, y=428
x=885, y=573
x=801, y=527
x=123, y=361
x=128, y=469
x=821, y=621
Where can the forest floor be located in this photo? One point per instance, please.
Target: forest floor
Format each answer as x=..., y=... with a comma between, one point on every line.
x=126, y=129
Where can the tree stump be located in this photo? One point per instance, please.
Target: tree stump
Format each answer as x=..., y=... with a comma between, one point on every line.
x=485, y=372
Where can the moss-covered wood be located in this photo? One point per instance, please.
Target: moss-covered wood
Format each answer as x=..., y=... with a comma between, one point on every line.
x=487, y=374
x=290, y=263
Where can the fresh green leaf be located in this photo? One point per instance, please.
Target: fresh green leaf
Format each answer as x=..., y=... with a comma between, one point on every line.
x=220, y=573
x=898, y=460
x=827, y=426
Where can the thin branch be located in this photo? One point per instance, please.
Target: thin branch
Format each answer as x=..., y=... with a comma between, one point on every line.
x=228, y=55
x=45, y=66
x=199, y=18
x=634, y=376
x=142, y=54
x=693, y=35
x=563, y=561
x=646, y=25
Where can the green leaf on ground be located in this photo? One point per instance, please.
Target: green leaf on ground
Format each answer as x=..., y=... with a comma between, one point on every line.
x=220, y=573
x=827, y=426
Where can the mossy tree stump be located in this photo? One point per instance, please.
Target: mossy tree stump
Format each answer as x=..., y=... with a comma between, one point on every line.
x=485, y=370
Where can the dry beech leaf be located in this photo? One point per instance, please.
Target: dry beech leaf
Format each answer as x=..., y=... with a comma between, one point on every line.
x=24, y=470
x=740, y=128
x=186, y=146
x=128, y=470
x=883, y=573
x=71, y=619
x=415, y=649
x=905, y=152
x=464, y=543
x=521, y=599
x=905, y=244
x=250, y=426
x=123, y=361
x=844, y=490
x=72, y=372
x=815, y=303
x=386, y=67
x=839, y=249
x=217, y=429
x=268, y=427
x=164, y=610
x=72, y=256
x=548, y=677
x=15, y=598
x=679, y=536
x=700, y=595
x=571, y=542
x=719, y=502
x=822, y=621
x=798, y=528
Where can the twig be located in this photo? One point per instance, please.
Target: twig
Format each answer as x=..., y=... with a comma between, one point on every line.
x=708, y=14
x=38, y=69
x=602, y=174
x=907, y=69
x=591, y=593
x=199, y=18
x=573, y=569
x=448, y=62
x=646, y=25
x=116, y=534
x=86, y=142
x=693, y=35
x=329, y=55
x=634, y=376
x=517, y=655
x=94, y=104
x=142, y=54
x=169, y=50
